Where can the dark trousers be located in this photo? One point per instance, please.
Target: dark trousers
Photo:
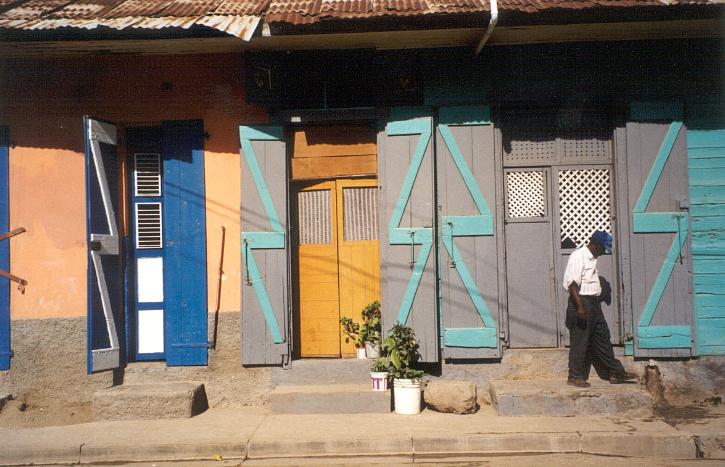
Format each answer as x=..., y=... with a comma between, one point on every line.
x=590, y=344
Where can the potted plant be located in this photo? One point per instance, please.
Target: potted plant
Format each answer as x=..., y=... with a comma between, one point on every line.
x=353, y=331
x=379, y=374
x=371, y=329
x=401, y=350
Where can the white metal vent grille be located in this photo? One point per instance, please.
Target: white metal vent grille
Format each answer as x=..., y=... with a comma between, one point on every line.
x=531, y=149
x=147, y=173
x=148, y=225
x=526, y=194
x=584, y=205
x=314, y=216
x=587, y=145
x=360, y=214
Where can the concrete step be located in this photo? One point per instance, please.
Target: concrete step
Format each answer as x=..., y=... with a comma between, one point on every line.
x=150, y=401
x=555, y=398
x=323, y=371
x=329, y=399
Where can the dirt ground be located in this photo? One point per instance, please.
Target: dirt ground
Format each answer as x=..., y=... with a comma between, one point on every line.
x=30, y=414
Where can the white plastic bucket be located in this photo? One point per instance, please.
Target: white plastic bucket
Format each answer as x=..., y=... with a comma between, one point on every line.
x=372, y=350
x=379, y=380
x=407, y=396
x=360, y=352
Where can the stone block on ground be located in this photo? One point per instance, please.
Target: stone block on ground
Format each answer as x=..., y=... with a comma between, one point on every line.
x=556, y=398
x=329, y=399
x=451, y=396
x=150, y=401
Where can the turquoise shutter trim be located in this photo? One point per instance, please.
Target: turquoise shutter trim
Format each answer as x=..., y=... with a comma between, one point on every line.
x=422, y=236
x=261, y=240
x=468, y=226
x=648, y=336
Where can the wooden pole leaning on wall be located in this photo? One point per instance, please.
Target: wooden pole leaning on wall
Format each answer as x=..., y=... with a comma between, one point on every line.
x=20, y=281
x=219, y=288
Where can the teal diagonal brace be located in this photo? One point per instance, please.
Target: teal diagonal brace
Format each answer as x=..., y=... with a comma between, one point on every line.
x=397, y=235
x=656, y=171
x=470, y=284
x=407, y=304
x=663, y=276
x=465, y=172
x=274, y=239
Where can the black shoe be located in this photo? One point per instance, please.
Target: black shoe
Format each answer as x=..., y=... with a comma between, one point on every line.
x=578, y=382
x=621, y=379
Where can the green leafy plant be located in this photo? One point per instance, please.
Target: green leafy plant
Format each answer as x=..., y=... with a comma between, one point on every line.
x=352, y=331
x=401, y=350
x=368, y=331
x=380, y=365
x=372, y=325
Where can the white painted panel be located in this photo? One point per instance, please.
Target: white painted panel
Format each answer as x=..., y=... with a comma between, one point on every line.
x=150, y=280
x=150, y=331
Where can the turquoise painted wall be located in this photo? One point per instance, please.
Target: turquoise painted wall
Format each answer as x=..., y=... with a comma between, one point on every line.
x=706, y=158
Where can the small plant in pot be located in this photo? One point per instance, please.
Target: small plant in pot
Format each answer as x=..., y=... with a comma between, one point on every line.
x=353, y=331
x=371, y=329
x=401, y=350
x=379, y=374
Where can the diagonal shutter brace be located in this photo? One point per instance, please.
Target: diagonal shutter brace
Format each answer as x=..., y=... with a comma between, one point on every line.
x=21, y=282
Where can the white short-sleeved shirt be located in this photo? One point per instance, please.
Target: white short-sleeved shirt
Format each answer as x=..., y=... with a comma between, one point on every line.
x=582, y=269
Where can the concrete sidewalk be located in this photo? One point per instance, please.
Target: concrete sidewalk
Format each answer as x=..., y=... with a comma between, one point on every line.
x=254, y=436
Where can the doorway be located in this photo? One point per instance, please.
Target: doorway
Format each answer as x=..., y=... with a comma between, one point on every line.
x=558, y=190
x=336, y=259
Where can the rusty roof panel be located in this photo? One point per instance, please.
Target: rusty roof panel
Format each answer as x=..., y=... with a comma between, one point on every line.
x=241, y=7
x=34, y=9
x=138, y=8
x=85, y=9
x=190, y=7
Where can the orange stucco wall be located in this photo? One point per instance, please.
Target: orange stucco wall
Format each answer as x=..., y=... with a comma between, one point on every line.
x=43, y=103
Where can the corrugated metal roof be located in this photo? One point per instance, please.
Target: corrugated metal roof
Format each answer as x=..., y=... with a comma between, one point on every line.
x=236, y=17
x=241, y=17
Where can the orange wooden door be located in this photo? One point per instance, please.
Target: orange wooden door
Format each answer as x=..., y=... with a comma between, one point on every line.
x=318, y=275
x=358, y=249
x=339, y=261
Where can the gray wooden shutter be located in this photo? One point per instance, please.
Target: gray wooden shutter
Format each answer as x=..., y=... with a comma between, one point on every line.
x=467, y=188
x=264, y=245
x=105, y=276
x=408, y=273
x=658, y=232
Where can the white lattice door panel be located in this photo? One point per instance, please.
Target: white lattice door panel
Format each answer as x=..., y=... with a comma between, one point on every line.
x=584, y=205
x=525, y=195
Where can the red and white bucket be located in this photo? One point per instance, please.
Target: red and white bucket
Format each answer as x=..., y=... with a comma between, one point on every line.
x=380, y=380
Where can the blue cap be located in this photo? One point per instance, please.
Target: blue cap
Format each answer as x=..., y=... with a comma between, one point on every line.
x=604, y=239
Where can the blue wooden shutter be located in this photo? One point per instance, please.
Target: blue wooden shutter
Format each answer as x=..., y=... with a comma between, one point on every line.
x=408, y=272
x=184, y=223
x=467, y=246
x=265, y=305
x=105, y=277
x=657, y=184
x=4, y=253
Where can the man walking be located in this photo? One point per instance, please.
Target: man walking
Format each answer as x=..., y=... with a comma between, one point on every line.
x=589, y=334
